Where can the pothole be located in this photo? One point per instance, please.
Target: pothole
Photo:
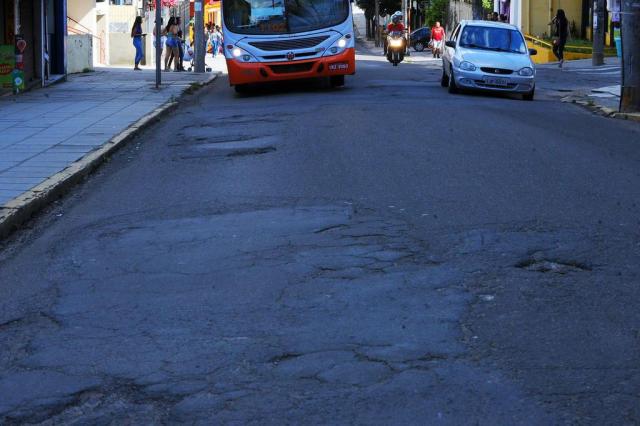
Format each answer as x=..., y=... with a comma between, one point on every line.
x=252, y=142
x=239, y=146
x=245, y=152
x=374, y=84
x=555, y=266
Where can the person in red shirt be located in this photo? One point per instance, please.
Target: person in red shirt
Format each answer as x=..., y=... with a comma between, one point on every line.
x=395, y=26
x=437, y=40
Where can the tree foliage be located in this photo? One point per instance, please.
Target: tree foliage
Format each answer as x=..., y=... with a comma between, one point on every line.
x=436, y=11
x=387, y=7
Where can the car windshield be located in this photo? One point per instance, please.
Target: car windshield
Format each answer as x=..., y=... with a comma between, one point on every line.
x=491, y=38
x=283, y=16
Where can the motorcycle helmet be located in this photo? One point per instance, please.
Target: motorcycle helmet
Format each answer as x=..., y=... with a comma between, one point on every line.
x=396, y=18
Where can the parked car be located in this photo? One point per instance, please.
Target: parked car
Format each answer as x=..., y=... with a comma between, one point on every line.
x=492, y=56
x=420, y=38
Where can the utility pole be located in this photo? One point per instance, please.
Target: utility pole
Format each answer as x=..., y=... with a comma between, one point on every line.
x=158, y=41
x=477, y=10
x=376, y=29
x=405, y=18
x=404, y=13
x=630, y=25
x=198, y=30
x=599, y=25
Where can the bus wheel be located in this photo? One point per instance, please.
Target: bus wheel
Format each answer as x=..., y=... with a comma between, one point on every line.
x=336, y=80
x=241, y=88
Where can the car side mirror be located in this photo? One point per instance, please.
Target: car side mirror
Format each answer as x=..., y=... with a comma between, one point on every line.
x=450, y=43
x=533, y=52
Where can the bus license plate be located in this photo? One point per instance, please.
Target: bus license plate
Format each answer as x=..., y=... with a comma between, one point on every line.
x=339, y=66
x=496, y=81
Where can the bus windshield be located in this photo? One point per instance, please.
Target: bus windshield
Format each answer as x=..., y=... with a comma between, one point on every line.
x=283, y=16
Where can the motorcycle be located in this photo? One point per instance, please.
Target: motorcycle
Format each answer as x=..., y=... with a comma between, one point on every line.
x=396, y=46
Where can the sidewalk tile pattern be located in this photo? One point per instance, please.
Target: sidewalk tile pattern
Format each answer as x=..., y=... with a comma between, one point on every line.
x=42, y=132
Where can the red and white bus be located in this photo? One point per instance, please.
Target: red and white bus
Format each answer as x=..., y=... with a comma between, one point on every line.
x=270, y=40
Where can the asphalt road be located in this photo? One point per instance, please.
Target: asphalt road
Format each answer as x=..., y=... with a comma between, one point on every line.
x=385, y=253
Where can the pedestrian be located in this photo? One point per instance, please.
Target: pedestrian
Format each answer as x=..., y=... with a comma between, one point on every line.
x=155, y=38
x=180, y=48
x=437, y=39
x=208, y=33
x=136, y=35
x=220, y=40
x=171, y=32
x=560, y=26
x=216, y=40
x=180, y=44
x=212, y=43
x=504, y=19
x=495, y=17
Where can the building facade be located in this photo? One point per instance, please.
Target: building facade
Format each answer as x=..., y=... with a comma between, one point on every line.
x=534, y=16
x=106, y=24
x=35, y=30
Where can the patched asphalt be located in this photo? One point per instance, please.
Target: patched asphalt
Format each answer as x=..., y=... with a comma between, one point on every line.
x=385, y=253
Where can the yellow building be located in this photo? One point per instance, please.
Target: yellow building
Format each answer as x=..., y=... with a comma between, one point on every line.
x=212, y=12
x=534, y=16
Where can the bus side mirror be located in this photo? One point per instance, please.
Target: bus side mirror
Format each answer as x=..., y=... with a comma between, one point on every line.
x=450, y=43
x=533, y=52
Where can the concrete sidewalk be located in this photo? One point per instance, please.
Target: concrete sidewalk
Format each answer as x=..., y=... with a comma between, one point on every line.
x=45, y=131
x=596, y=87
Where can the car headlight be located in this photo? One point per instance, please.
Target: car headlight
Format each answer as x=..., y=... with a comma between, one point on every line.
x=339, y=45
x=467, y=66
x=526, y=72
x=241, y=54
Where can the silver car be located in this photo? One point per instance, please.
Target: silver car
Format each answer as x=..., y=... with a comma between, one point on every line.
x=485, y=55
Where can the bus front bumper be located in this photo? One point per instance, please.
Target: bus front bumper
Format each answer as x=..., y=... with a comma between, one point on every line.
x=326, y=66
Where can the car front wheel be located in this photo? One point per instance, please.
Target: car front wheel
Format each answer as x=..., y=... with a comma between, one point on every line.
x=444, y=80
x=529, y=96
x=419, y=46
x=452, y=82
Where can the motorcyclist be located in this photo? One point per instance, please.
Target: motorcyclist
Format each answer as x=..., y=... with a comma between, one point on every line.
x=395, y=25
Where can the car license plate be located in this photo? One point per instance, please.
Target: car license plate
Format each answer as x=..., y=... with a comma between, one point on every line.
x=495, y=81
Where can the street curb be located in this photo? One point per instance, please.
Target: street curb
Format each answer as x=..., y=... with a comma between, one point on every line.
x=627, y=116
x=601, y=110
x=20, y=209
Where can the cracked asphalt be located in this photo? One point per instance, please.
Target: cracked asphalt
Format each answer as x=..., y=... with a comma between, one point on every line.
x=385, y=253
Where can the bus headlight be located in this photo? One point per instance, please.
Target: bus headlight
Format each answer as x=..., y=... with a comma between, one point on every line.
x=241, y=55
x=339, y=45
